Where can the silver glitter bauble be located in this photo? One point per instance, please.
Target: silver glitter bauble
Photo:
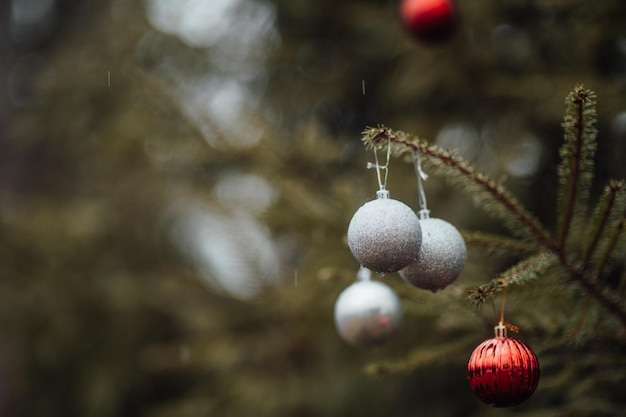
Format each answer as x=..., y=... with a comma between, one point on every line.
x=384, y=235
x=367, y=314
x=441, y=257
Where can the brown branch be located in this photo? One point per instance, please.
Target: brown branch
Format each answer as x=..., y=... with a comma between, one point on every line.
x=495, y=243
x=575, y=173
x=609, y=249
x=581, y=321
x=577, y=275
x=613, y=189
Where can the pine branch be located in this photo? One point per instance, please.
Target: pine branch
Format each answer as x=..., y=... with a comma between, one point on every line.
x=419, y=358
x=576, y=174
x=497, y=244
x=576, y=169
x=588, y=317
x=529, y=269
x=611, y=304
x=605, y=225
x=494, y=197
x=521, y=273
x=609, y=249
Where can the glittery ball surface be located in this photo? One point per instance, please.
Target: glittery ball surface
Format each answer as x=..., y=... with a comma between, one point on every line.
x=503, y=372
x=441, y=257
x=384, y=235
x=367, y=314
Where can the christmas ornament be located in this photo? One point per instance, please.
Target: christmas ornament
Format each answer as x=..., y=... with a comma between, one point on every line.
x=384, y=235
x=367, y=313
x=442, y=254
x=441, y=257
x=429, y=20
x=503, y=371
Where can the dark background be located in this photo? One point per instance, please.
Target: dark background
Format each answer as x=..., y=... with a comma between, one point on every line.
x=177, y=177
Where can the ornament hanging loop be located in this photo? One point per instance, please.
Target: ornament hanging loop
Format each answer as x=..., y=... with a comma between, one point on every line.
x=424, y=213
x=364, y=274
x=500, y=329
x=504, y=285
x=503, y=326
x=382, y=181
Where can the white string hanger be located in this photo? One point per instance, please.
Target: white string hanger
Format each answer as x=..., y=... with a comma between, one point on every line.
x=382, y=181
x=424, y=213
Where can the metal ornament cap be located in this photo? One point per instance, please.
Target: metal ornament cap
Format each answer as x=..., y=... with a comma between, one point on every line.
x=441, y=257
x=368, y=314
x=503, y=371
x=384, y=235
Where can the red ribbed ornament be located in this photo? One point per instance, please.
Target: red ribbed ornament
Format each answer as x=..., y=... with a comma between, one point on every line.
x=503, y=371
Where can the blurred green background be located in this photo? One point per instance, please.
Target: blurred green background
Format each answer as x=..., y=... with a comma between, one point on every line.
x=177, y=177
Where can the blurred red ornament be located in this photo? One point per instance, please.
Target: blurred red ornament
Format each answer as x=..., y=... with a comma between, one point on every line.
x=429, y=20
x=503, y=371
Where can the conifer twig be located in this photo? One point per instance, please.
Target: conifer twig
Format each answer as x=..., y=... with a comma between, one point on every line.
x=524, y=271
x=528, y=269
x=608, y=202
x=417, y=359
x=619, y=228
x=496, y=243
x=578, y=332
x=610, y=304
x=576, y=169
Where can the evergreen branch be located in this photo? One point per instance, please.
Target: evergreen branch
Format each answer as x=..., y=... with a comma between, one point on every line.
x=524, y=271
x=529, y=269
x=481, y=293
x=576, y=168
x=418, y=358
x=497, y=199
x=611, y=304
x=587, y=319
x=576, y=174
x=607, y=212
x=499, y=244
x=610, y=247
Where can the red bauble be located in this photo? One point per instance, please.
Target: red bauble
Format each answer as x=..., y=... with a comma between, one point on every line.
x=429, y=20
x=503, y=371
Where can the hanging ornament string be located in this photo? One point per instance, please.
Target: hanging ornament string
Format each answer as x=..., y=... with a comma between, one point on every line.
x=424, y=213
x=382, y=182
x=502, y=324
x=503, y=282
